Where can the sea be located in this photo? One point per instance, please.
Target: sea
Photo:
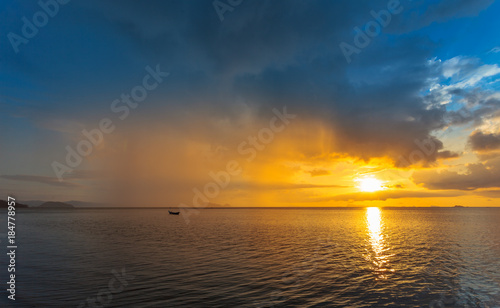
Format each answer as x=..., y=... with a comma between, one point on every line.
x=336, y=257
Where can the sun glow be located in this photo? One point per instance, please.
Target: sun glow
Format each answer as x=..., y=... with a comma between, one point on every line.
x=370, y=184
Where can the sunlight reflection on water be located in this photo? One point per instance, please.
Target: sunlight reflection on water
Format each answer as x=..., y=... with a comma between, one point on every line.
x=378, y=256
x=371, y=257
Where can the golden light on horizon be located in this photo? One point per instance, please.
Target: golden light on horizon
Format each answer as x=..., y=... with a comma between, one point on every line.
x=370, y=184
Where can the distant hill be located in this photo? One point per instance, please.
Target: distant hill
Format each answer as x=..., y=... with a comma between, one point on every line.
x=75, y=203
x=56, y=205
x=32, y=203
x=5, y=204
x=83, y=204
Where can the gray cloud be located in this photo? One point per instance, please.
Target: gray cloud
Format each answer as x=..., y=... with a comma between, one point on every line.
x=484, y=142
x=295, y=60
x=447, y=155
x=390, y=194
x=39, y=179
x=419, y=14
x=476, y=176
x=489, y=193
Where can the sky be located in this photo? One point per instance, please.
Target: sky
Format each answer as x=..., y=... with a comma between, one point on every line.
x=251, y=103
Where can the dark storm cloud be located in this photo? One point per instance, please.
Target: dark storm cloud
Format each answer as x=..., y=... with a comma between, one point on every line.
x=447, y=154
x=266, y=53
x=371, y=105
x=421, y=13
x=484, y=110
x=476, y=176
x=484, y=142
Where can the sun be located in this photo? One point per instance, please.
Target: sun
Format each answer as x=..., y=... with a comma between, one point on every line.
x=370, y=184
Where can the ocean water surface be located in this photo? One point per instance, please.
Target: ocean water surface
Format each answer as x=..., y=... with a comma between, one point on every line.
x=356, y=257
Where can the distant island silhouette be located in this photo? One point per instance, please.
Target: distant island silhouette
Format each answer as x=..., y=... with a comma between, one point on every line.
x=5, y=204
x=44, y=205
x=56, y=205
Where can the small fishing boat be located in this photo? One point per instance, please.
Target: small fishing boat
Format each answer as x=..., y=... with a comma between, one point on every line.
x=173, y=213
